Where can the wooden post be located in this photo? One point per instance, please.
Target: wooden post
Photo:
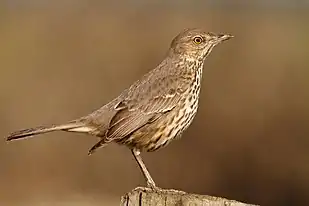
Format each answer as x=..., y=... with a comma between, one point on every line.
x=146, y=197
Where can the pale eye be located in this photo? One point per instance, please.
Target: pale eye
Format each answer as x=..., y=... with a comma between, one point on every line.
x=197, y=40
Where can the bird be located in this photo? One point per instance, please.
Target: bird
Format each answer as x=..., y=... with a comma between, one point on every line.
x=155, y=109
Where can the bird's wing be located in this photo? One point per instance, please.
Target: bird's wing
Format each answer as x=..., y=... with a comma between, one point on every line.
x=131, y=116
x=156, y=94
x=146, y=103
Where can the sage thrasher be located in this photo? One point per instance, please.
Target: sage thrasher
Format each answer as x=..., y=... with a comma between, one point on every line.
x=155, y=109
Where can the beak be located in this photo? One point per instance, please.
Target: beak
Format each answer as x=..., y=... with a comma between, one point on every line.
x=222, y=37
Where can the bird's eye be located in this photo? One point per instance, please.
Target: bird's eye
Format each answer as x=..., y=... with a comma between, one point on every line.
x=198, y=40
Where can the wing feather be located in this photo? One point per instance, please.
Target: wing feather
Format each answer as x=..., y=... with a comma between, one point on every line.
x=147, y=100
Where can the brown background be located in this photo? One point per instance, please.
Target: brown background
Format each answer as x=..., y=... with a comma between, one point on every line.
x=59, y=61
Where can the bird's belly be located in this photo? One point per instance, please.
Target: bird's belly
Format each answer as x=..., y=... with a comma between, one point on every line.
x=158, y=134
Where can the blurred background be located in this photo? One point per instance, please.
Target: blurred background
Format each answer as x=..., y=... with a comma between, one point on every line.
x=63, y=59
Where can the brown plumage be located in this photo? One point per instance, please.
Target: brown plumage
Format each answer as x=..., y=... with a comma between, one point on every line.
x=155, y=109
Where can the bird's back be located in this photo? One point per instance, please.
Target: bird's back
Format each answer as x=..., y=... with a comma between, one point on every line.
x=171, y=123
x=161, y=94
x=161, y=104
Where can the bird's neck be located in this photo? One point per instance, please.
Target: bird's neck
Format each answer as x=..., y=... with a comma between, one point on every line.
x=184, y=64
x=193, y=64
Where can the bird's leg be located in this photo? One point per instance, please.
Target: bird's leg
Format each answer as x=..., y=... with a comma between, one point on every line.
x=138, y=158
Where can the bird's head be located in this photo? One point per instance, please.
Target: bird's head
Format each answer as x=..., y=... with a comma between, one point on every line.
x=195, y=43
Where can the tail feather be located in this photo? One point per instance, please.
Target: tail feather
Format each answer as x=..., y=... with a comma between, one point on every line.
x=74, y=127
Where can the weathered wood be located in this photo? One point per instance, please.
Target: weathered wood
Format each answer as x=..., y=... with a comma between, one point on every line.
x=145, y=197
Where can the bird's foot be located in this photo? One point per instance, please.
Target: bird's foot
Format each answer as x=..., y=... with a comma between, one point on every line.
x=154, y=188
x=149, y=188
x=152, y=185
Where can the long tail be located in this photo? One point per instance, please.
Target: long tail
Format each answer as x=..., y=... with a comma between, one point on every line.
x=71, y=127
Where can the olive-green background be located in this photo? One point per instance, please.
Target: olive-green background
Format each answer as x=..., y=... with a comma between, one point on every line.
x=63, y=59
